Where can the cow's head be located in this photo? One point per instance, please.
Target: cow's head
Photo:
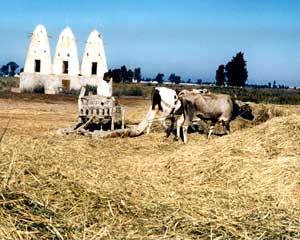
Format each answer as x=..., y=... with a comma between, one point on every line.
x=246, y=112
x=182, y=93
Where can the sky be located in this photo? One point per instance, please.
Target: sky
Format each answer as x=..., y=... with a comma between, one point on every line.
x=188, y=37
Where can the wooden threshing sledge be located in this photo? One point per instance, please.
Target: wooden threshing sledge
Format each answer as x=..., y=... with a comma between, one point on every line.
x=100, y=116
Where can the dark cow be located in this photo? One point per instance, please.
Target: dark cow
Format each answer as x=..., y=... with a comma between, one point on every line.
x=214, y=107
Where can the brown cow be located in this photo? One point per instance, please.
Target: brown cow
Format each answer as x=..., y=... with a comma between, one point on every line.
x=214, y=107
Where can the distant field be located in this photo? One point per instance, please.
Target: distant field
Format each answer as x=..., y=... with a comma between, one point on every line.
x=241, y=186
x=256, y=95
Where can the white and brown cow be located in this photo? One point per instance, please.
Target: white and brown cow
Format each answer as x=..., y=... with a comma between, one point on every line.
x=213, y=107
x=164, y=101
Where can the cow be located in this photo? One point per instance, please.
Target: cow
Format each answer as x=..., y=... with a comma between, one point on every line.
x=213, y=107
x=164, y=101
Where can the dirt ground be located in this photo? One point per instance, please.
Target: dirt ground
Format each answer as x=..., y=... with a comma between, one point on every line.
x=241, y=186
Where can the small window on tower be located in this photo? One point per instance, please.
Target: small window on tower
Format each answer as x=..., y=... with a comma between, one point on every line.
x=37, y=65
x=65, y=67
x=94, y=68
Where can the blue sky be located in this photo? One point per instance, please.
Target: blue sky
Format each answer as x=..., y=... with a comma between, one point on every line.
x=188, y=37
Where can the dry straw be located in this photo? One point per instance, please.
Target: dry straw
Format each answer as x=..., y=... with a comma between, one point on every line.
x=241, y=186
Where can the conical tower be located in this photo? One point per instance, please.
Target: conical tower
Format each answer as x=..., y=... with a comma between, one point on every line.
x=66, y=56
x=94, y=60
x=38, y=58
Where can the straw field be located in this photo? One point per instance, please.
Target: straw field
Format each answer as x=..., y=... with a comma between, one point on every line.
x=245, y=185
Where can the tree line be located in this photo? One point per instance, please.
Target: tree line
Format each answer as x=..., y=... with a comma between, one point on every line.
x=124, y=75
x=234, y=73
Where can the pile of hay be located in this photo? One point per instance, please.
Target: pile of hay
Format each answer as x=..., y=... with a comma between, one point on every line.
x=241, y=186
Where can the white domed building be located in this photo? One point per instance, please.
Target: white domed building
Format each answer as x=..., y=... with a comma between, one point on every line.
x=38, y=60
x=66, y=56
x=94, y=63
x=65, y=73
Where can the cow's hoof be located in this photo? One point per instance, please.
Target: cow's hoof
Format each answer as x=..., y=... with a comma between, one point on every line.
x=176, y=139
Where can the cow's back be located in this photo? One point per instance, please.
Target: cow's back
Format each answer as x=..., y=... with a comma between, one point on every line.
x=210, y=106
x=167, y=95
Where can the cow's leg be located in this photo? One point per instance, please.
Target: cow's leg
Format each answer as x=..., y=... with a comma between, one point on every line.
x=167, y=112
x=211, y=129
x=227, y=126
x=170, y=129
x=163, y=121
x=184, y=129
x=185, y=126
x=164, y=124
x=179, y=124
x=188, y=118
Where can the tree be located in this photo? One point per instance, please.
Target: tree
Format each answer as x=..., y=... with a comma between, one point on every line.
x=177, y=79
x=128, y=76
x=199, y=81
x=116, y=75
x=4, y=69
x=13, y=67
x=236, y=71
x=159, y=78
x=172, y=77
x=137, y=74
x=220, y=76
x=189, y=80
x=123, y=73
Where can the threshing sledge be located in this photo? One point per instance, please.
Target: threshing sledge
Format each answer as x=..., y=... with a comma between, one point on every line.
x=100, y=116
